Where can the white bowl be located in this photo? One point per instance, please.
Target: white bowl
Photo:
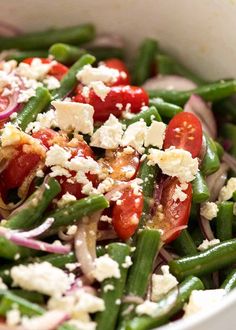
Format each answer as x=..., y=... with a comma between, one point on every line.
x=199, y=33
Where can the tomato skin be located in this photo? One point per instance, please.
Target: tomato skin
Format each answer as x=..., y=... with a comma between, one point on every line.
x=18, y=169
x=175, y=214
x=184, y=131
x=121, y=165
x=46, y=136
x=126, y=215
x=58, y=70
x=135, y=96
x=119, y=65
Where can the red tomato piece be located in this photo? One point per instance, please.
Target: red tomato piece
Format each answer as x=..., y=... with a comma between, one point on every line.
x=134, y=96
x=58, y=70
x=121, y=165
x=184, y=131
x=82, y=149
x=172, y=216
x=115, y=63
x=4, y=102
x=18, y=169
x=126, y=215
x=46, y=136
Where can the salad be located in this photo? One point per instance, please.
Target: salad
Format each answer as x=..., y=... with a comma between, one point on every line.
x=117, y=184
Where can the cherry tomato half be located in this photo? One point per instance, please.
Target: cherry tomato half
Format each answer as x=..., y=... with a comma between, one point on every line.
x=58, y=70
x=115, y=63
x=115, y=102
x=184, y=131
x=171, y=216
x=46, y=136
x=127, y=213
x=121, y=165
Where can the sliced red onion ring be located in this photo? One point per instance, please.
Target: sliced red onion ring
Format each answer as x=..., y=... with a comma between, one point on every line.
x=203, y=111
x=230, y=161
x=13, y=106
x=172, y=231
x=38, y=230
x=9, y=30
x=216, y=181
x=106, y=40
x=48, y=321
x=31, y=243
x=104, y=235
x=206, y=228
x=165, y=255
x=169, y=82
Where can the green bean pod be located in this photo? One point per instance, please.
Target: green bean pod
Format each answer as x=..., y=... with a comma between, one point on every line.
x=106, y=320
x=166, y=110
x=215, y=258
x=34, y=207
x=184, y=244
x=168, y=306
x=31, y=296
x=200, y=190
x=74, y=35
x=66, y=54
x=228, y=131
x=211, y=92
x=147, y=115
x=145, y=59
x=230, y=282
x=33, y=107
x=69, y=80
x=104, y=53
x=211, y=162
x=10, y=251
x=224, y=221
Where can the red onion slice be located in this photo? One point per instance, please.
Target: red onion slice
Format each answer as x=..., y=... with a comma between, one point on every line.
x=202, y=110
x=169, y=82
x=172, y=231
x=38, y=230
x=20, y=240
x=206, y=228
x=13, y=106
x=9, y=30
x=48, y=321
x=230, y=161
x=216, y=181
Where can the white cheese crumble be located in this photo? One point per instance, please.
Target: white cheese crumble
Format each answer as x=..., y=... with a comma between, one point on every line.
x=74, y=116
x=57, y=155
x=147, y=307
x=106, y=267
x=227, y=191
x=162, y=284
x=203, y=300
x=207, y=244
x=155, y=134
x=43, y=120
x=175, y=162
x=51, y=82
x=35, y=70
x=13, y=317
x=209, y=210
x=2, y=285
x=10, y=135
x=135, y=136
x=65, y=199
x=105, y=218
x=42, y=277
x=100, y=89
x=108, y=287
x=128, y=262
x=179, y=193
x=89, y=74
x=109, y=135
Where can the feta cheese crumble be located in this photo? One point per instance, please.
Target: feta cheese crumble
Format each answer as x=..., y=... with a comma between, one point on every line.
x=227, y=191
x=203, y=300
x=135, y=136
x=162, y=284
x=207, y=244
x=209, y=210
x=42, y=277
x=155, y=134
x=106, y=267
x=89, y=74
x=109, y=135
x=128, y=262
x=74, y=116
x=100, y=89
x=57, y=155
x=179, y=193
x=148, y=308
x=175, y=162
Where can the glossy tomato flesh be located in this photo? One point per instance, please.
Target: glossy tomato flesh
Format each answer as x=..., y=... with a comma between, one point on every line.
x=124, y=78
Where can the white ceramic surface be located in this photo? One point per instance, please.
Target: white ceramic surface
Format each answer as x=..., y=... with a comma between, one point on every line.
x=201, y=33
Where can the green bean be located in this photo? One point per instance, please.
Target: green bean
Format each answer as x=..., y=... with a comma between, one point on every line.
x=220, y=149
x=167, y=110
x=168, y=306
x=75, y=210
x=226, y=109
x=65, y=53
x=200, y=190
x=230, y=281
x=148, y=174
x=33, y=107
x=184, y=244
x=211, y=162
x=211, y=92
x=167, y=66
x=147, y=115
x=147, y=245
x=197, y=236
x=67, y=326
x=19, y=56
x=10, y=251
x=224, y=221
x=228, y=131
x=215, y=258
x=74, y=35
x=10, y=300
x=32, y=296
x=145, y=59
x=69, y=80
x=34, y=207
x=107, y=319
x=104, y=53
